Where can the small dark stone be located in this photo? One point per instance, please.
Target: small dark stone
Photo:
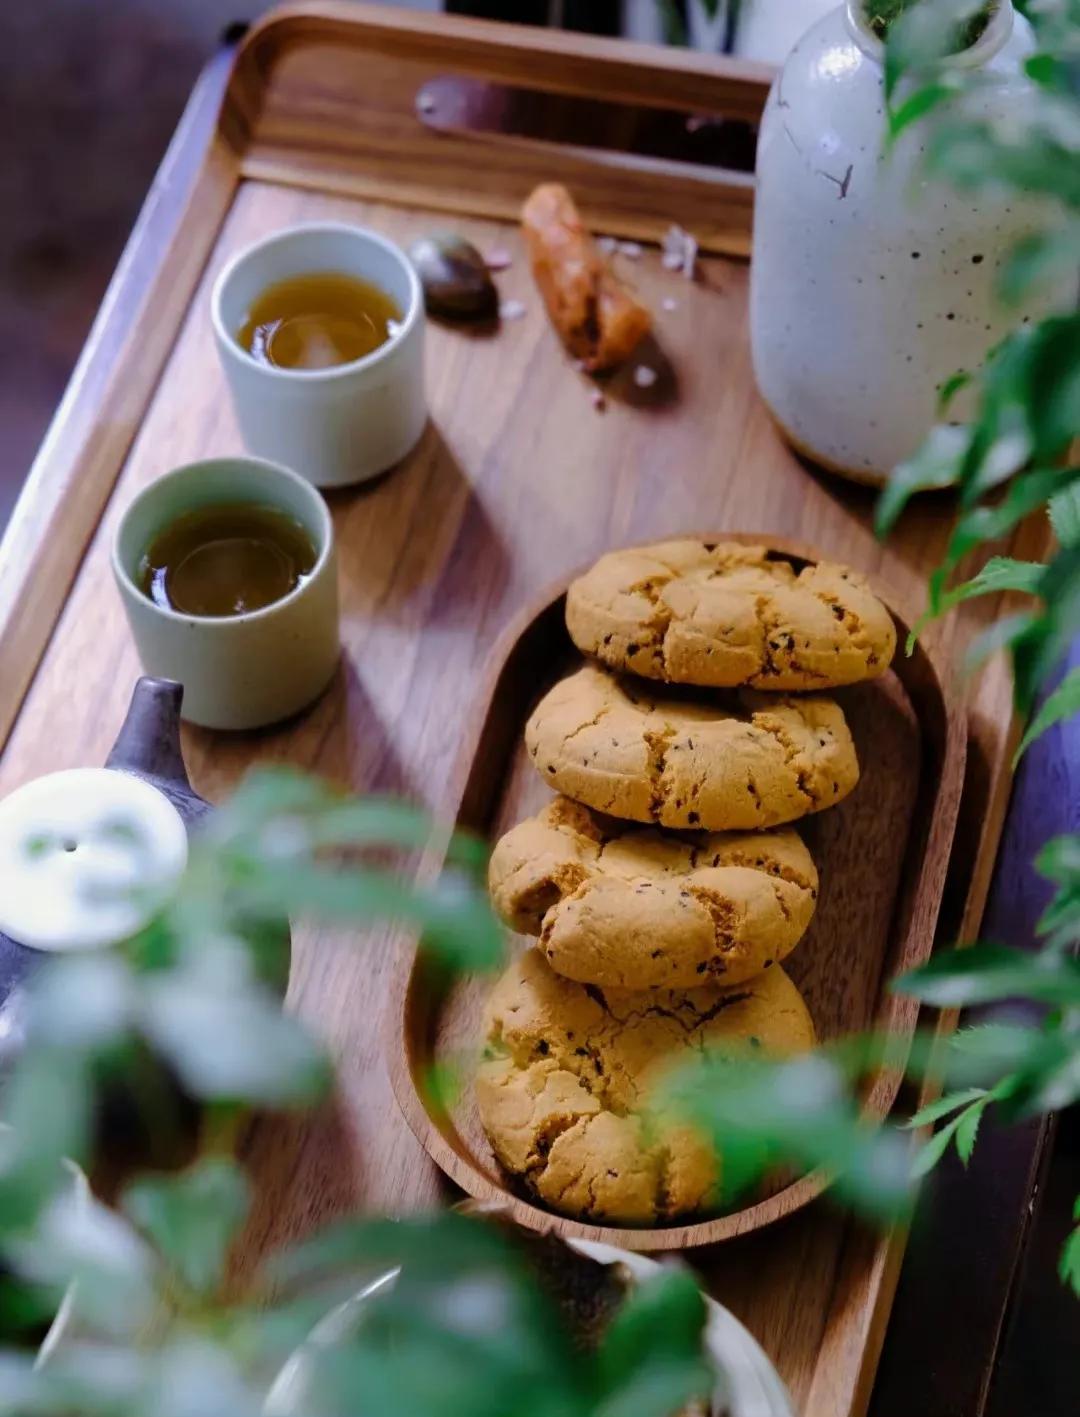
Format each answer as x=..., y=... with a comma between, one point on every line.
x=456, y=281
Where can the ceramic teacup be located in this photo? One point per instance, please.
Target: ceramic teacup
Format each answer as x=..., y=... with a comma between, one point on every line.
x=346, y=423
x=238, y=671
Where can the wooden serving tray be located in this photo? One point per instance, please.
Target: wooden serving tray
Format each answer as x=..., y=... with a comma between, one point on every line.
x=881, y=855
x=517, y=481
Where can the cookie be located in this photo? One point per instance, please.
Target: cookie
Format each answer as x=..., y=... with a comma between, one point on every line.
x=636, y=908
x=569, y=1072
x=719, y=616
x=709, y=762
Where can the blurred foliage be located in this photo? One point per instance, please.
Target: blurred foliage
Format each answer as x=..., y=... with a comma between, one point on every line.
x=464, y=1330
x=1012, y=460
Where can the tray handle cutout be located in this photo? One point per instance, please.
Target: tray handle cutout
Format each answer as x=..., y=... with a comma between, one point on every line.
x=463, y=106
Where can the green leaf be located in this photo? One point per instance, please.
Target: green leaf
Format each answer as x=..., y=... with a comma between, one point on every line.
x=1001, y=573
x=665, y=1312
x=1029, y=405
x=758, y=1111
x=1039, y=263
x=1064, y=512
x=1061, y=704
x=452, y=914
x=975, y=155
x=938, y=463
x=47, y=1101
x=991, y=1048
x=192, y=1218
x=921, y=35
x=659, y=1390
x=983, y=973
x=917, y=105
x=968, y=1130
x=934, y=1111
x=1045, y=69
x=951, y=387
x=427, y=1243
x=649, y=1361
x=233, y=1046
x=1069, y=1263
x=929, y=1155
x=1002, y=635
x=1059, y=859
x=1042, y=646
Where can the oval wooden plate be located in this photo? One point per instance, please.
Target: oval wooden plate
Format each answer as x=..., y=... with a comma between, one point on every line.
x=881, y=854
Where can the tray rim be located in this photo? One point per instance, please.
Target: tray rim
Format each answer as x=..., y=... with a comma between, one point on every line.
x=901, y=1014
x=90, y=437
x=74, y=476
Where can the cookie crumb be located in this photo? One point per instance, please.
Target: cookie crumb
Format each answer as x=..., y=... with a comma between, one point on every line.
x=599, y=402
x=680, y=252
x=668, y=304
x=511, y=310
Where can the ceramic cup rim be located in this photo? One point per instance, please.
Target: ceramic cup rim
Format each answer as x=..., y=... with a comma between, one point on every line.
x=222, y=623
x=993, y=38
x=364, y=236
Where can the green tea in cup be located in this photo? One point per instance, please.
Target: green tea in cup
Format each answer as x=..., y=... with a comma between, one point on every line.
x=226, y=559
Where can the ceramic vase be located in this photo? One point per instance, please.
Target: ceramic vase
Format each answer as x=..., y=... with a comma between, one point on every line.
x=767, y=30
x=870, y=284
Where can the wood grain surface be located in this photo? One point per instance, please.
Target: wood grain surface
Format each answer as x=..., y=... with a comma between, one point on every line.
x=882, y=876
x=518, y=480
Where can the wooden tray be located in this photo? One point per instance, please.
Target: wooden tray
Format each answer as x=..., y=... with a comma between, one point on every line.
x=881, y=855
x=517, y=481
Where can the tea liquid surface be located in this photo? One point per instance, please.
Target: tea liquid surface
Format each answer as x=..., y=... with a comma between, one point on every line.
x=226, y=560
x=318, y=321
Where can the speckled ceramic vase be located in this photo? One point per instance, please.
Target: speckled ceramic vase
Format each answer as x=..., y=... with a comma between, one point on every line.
x=870, y=286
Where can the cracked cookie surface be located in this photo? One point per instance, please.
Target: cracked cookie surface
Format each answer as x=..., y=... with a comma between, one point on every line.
x=569, y=1069
x=709, y=763
x=637, y=908
x=718, y=616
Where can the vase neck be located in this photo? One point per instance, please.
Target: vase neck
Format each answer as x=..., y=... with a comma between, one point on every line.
x=993, y=38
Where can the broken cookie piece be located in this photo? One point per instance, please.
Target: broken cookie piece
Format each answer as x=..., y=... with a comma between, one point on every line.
x=597, y=318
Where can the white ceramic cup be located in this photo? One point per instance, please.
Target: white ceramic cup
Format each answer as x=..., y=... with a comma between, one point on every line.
x=238, y=671
x=338, y=425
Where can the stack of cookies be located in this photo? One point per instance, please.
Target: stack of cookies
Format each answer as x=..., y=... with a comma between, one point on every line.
x=662, y=885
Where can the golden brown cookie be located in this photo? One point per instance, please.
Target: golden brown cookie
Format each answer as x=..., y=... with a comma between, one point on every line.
x=569, y=1070
x=636, y=908
x=690, y=612
x=708, y=762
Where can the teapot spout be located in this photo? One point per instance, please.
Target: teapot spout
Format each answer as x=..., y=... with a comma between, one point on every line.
x=148, y=743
